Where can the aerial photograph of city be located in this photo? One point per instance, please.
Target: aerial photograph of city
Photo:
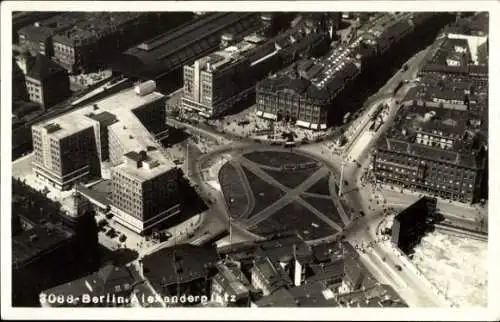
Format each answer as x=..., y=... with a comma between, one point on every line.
x=249, y=159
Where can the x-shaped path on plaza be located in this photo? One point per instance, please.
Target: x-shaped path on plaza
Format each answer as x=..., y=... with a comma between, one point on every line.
x=291, y=194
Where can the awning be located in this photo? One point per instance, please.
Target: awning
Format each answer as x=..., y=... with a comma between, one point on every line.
x=204, y=114
x=314, y=126
x=259, y=113
x=270, y=116
x=302, y=123
x=323, y=126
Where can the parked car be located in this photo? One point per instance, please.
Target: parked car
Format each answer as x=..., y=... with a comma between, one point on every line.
x=399, y=268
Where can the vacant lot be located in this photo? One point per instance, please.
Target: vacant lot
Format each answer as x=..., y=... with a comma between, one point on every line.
x=458, y=266
x=295, y=218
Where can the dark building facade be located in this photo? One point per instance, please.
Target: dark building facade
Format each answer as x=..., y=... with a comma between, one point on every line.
x=410, y=224
x=114, y=283
x=48, y=247
x=47, y=82
x=438, y=142
x=22, y=19
x=37, y=38
x=230, y=287
x=181, y=270
x=215, y=83
x=19, y=89
x=304, y=92
x=439, y=151
x=89, y=44
x=313, y=93
x=167, y=53
x=309, y=91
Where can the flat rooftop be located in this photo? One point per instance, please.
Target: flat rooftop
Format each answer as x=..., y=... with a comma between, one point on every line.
x=132, y=133
x=230, y=55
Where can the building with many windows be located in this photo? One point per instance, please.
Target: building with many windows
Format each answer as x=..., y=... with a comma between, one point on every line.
x=313, y=92
x=144, y=191
x=304, y=92
x=70, y=148
x=47, y=82
x=65, y=152
x=49, y=243
x=37, y=37
x=436, y=150
x=215, y=83
x=90, y=43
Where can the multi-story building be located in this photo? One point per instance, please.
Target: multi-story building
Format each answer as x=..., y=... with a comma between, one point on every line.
x=19, y=89
x=22, y=19
x=268, y=276
x=436, y=150
x=90, y=43
x=167, y=53
x=69, y=150
x=304, y=92
x=230, y=287
x=182, y=270
x=65, y=152
x=310, y=93
x=45, y=243
x=114, y=283
x=144, y=192
x=47, y=82
x=215, y=83
x=409, y=225
x=37, y=38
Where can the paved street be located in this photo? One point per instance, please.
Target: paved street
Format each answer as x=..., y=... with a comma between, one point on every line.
x=456, y=209
x=22, y=166
x=379, y=260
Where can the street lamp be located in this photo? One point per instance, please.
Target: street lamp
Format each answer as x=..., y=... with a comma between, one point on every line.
x=341, y=183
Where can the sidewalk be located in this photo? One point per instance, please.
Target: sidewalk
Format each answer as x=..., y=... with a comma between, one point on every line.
x=449, y=207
